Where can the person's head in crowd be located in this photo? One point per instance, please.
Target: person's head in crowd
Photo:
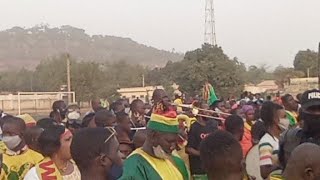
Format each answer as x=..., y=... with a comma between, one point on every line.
x=258, y=96
x=74, y=122
x=162, y=134
x=289, y=102
x=126, y=105
x=288, y=141
x=310, y=114
x=304, y=163
x=123, y=122
x=73, y=112
x=95, y=104
x=248, y=112
x=137, y=107
x=104, y=118
x=235, y=125
x=96, y=153
x=257, y=131
x=221, y=156
x=45, y=123
x=117, y=107
x=269, y=98
x=54, y=145
x=177, y=94
x=270, y=115
x=126, y=148
x=158, y=95
x=31, y=137
x=54, y=142
x=13, y=130
x=138, y=110
x=87, y=119
x=58, y=111
x=237, y=111
x=257, y=111
x=29, y=120
x=202, y=105
x=232, y=102
x=74, y=126
x=2, y=119
x=160, y=144
x=242, y=102
x=218, y=105
x=284, y=122
x=244, y=95
x=298, y=96
x=139, y=138
x=227, y=107
x=147, y=108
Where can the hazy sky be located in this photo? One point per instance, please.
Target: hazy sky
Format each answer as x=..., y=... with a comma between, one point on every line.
x=255, y=31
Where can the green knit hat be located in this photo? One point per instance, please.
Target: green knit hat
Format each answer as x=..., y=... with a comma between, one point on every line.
x=164, y=122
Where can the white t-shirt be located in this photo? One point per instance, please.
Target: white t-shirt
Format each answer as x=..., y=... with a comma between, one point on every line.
x=268, y=150
x=32, y=174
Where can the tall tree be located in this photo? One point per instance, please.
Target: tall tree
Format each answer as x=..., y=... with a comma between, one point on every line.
x=208, y=63
x=305, y=60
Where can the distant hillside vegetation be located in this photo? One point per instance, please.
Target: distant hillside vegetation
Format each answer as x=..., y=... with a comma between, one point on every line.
x=21, y=47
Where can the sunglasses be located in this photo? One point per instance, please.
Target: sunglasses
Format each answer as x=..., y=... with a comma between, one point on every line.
x=113, y=133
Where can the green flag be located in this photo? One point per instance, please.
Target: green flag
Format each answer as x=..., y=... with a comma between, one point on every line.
x=212, y=96
x=209, y=94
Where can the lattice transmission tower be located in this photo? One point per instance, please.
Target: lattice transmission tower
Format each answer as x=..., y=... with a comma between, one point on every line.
x=209, y=29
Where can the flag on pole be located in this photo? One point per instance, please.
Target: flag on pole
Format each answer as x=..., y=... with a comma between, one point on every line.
x=209, y=94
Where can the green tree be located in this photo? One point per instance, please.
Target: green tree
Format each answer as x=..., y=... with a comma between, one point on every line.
x=20, y=80
x=50, y=74
x=88, y=80
x=208, y=63
x=283, y=74
x=256, y=74
x=305, y=60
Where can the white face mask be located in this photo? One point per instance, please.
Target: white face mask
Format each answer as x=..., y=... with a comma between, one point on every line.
x=159, y=152
x=284, y=124
x=73, y=115
x=11, y=141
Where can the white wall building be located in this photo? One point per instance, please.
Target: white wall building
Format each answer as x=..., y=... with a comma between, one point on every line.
x=143, y=93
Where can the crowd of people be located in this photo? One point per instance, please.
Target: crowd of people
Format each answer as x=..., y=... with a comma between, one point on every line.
x=172, y=139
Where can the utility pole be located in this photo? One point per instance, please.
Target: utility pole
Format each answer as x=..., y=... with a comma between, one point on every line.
x=68, y=78
x=143, y=80
x=209, y=29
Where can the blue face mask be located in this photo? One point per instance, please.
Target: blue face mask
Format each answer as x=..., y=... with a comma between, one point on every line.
x=115, y=172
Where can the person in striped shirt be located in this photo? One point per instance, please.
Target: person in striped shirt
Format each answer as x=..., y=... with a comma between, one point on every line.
x=269, y=143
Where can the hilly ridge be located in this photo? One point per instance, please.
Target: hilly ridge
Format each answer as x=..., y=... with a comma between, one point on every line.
x=26, y=47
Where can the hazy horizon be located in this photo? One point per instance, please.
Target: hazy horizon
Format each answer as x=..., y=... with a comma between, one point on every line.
x=256, y=32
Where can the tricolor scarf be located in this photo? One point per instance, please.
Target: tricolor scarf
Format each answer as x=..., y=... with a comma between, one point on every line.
x=47, y=170
x=292, y=116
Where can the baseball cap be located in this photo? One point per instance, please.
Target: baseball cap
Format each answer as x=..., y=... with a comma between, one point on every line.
x=310, y=98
